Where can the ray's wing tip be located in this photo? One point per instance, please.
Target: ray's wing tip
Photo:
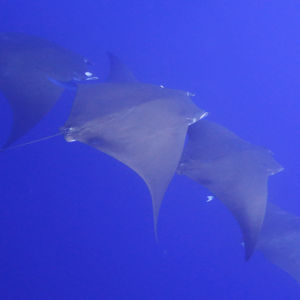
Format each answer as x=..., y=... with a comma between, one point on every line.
x=156, y=236
x=250, y=247
x=248, y=254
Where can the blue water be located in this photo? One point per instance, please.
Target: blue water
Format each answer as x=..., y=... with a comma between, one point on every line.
x=76, y=224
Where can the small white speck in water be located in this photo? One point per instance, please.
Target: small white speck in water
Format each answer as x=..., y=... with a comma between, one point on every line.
x=209, y=198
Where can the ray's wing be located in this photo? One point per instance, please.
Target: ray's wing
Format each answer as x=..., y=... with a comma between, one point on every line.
x=280, y=239
x=34, y=105
x=234, y=170
x=141, y=125
x=29, y=68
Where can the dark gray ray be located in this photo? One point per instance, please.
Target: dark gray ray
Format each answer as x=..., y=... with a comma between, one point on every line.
x=142, y=125
x=232, y=169
x=29, y=68
x=280, y=239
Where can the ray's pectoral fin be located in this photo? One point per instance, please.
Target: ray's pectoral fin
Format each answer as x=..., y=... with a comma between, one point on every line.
x=142, y=125
x=154, y=158
x=30, y=101
x=280, y=240
x=145, y=142
x=234, y=170
x=244, y=193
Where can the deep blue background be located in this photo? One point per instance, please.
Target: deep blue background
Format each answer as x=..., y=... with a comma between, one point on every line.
x=76, y=224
